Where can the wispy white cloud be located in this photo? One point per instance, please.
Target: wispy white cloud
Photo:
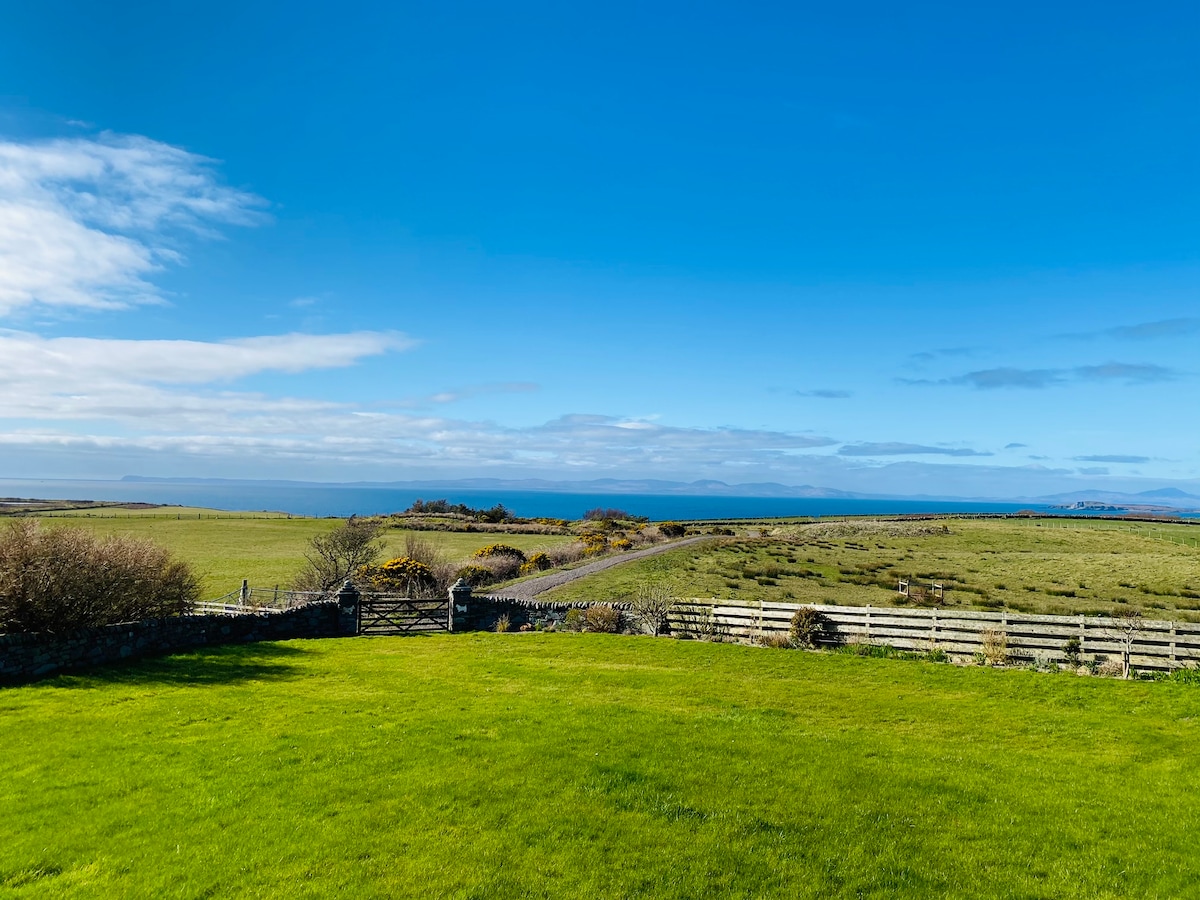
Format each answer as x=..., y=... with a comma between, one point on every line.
x=1112, y=458
x=30, y=359
x=1130, y=373
x=1008, y=377
x=1143, y=331
x=170, y=385
x=826, y=394
x=893, y=448
x=84, y=222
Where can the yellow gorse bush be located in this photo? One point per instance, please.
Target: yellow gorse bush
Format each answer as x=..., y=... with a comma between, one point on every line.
x=499, y=550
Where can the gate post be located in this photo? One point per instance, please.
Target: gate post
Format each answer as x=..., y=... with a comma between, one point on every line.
x=460, y=606
x=348, y=609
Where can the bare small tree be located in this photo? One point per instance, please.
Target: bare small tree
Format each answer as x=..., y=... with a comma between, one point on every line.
x=337, y=555
x=1127, y=625
x=652, y=604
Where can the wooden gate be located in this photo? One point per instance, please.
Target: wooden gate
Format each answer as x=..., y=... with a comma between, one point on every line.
x=395, y=614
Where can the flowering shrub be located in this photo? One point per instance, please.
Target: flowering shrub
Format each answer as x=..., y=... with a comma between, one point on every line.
x=622, y=544
x=403, y=575
x=594, y=543
x=499, y=550
x=538, y=562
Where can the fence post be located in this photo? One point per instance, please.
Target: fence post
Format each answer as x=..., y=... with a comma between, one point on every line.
x=1172, y=645
x=245, y=592
x=1082, y=636
x=349, y=609
x=460, y=606
x=868, y=623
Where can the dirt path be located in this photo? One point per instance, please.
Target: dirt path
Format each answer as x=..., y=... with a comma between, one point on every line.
x=527, y=590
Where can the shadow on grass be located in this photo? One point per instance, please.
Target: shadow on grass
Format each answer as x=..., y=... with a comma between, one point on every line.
x=225, y=664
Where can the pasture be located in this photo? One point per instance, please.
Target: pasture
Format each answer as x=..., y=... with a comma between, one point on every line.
x=1027, y=565
x=559, y=765
x=266, y=549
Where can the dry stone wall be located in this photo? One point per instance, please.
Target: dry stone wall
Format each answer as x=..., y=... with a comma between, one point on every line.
x=24, y=657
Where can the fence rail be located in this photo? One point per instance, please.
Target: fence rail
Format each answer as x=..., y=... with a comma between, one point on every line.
x=256, y=600
x=1156, y=645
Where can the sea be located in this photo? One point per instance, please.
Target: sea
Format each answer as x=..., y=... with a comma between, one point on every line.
x=346, y=500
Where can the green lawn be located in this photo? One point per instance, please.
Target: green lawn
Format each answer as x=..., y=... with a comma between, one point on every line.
x=1041, y=566
x=558, y=765
x=225, y=547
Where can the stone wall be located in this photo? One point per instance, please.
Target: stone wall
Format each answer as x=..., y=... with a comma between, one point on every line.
x=481, y=613
x=24, y=657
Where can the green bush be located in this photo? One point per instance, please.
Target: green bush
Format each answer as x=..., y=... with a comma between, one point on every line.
x=808, y=626
x=604, y=619
x=672, y=529
x=1071, y=651
x=475, y=576
x=1182, y=675
x=59, y=579
x=575, y=620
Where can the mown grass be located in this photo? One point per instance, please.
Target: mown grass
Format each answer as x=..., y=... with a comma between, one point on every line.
x=1042, y=566
x=224, y=547
x=592, y=766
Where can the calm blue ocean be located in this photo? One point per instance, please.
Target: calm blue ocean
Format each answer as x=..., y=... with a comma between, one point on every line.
x=316, y=500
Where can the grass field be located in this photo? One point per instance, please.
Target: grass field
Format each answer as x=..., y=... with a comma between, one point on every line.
x=224, y=547
x=548, y=765
x=1043, y=566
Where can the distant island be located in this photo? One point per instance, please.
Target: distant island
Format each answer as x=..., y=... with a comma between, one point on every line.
x=1141, y=509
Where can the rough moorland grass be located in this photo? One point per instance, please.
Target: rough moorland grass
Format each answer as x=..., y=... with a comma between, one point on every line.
x=268, y=551
x=592, y=766
x=1028, y=566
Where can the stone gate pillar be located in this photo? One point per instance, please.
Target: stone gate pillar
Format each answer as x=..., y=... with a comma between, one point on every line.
x=460, y=605
x=348, y=599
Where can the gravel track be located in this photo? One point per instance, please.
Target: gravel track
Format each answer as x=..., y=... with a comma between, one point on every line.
x=527, y=590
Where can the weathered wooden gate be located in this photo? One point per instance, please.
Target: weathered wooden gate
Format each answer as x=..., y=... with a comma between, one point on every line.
x=396, y=614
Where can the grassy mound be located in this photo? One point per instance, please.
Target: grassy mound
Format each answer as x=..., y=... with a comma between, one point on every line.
x=491, y=765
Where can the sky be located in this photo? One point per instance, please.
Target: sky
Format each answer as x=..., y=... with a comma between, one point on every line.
x=920, y=248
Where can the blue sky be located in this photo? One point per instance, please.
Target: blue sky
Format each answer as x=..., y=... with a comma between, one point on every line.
x=920, y=248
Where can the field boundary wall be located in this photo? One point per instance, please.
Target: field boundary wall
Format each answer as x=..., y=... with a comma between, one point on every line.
x=25, y=657
x=1158, y=645
x=480, y=612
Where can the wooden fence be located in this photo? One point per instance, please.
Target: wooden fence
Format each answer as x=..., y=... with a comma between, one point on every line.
x=1157, y=645
x=256, y=600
